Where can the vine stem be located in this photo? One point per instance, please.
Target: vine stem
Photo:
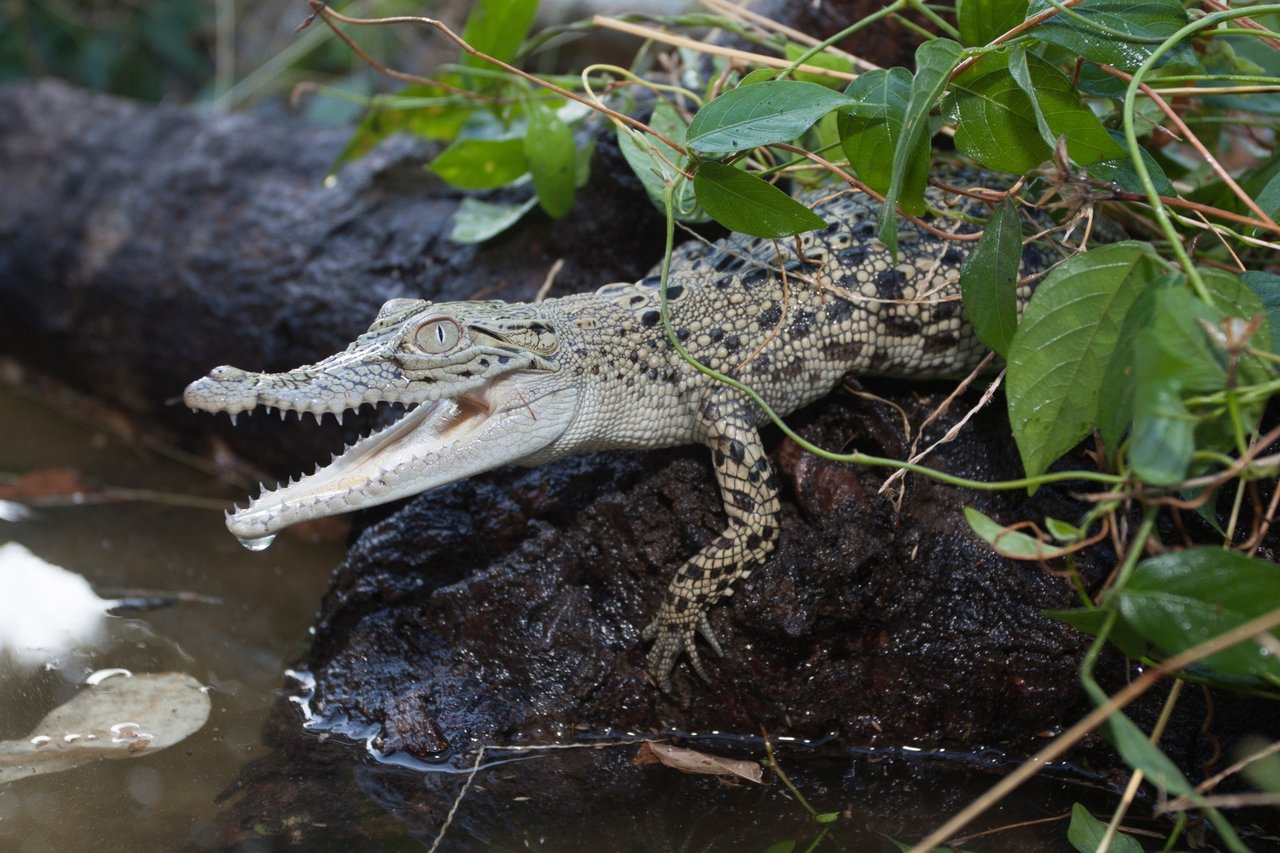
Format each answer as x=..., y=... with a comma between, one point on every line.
x=805, y=444
x=1135, y=152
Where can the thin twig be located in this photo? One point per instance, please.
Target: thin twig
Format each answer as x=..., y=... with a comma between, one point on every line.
x=1195, y=142
x=715, y=49
x=326, y=13
x=1095, y=718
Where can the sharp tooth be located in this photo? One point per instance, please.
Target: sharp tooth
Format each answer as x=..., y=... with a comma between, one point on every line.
x=340, y=417
x=234, y=415
x=282, y=414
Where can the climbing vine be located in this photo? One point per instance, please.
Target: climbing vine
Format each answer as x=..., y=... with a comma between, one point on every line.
x=1161, y=354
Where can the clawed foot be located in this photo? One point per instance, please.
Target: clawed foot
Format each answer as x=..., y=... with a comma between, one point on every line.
x=672, y=634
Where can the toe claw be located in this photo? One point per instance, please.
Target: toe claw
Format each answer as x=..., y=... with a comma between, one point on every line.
x=708, y=634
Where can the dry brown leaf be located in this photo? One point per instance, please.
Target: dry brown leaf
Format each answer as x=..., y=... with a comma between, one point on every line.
x=692, y=761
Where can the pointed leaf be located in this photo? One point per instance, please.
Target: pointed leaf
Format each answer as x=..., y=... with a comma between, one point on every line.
x=980, y=21
x=497, y=27
x=481, y=164
x=1180, y=599
x=1267, y=287
x=744, y=202
x=1122, y=33
x=989, y=279
x=1058, y=107
x=869, y=132
x=550, y=152
x=935, y=60
x=1086, y=832
x=995, y=121
x=1063, y=344
x=760, y=114
x=1010, y=543
x=476, y=221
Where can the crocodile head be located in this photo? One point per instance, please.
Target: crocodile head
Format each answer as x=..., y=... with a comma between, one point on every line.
x=479, y=383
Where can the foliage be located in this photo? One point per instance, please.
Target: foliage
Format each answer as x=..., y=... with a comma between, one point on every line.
x=1162, y=354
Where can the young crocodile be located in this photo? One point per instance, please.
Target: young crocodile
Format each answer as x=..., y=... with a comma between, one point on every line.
x=492, y=383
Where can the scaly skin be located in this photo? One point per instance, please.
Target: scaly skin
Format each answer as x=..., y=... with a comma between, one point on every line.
x=499, y=383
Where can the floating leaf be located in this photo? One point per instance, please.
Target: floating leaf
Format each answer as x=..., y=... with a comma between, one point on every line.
x=744, y=202
x=989, y=278
x=481, y=164
x=551, y=155
x=760, y=114
x=117, y=718
x=476, y=221
x=869, y=133
x=1063, y=344
x=701, y=763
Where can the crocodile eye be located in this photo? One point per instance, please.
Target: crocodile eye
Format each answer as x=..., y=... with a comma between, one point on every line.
x=437, y=336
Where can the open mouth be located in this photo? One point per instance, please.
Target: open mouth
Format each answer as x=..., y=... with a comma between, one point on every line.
x=372, y=469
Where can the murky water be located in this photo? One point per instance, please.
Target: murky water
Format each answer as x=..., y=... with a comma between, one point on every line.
x=253, y=623
x=238, y=646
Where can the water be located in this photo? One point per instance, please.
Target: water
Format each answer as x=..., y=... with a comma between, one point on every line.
x=248, y=622
x=239, y=646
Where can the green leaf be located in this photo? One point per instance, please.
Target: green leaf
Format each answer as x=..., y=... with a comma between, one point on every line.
x=995, y=120
x=980, y=21
x=744, y=202
x=1086, y=832
x=1124, y=174
x=760, y=114
x=1163, y=437
x=822, y=59
x=420, y=110
x=935, y=60
x=1115, y=397
x=781, y=846
x=1091, y=621
x=1010, y=543
x=653, y=171
x=550, y=152
x=1010, y=107
x=476, y=221
x=1267, y=287
x=1180, y=599
x=869, y=132
x=1122, y=33
x=497, y=27
x=481, y=164
x=1058, y=106
x=1063, y=345
x=989, y=279
x=1140, y=754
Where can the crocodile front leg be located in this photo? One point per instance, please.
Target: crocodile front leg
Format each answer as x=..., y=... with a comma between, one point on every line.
x=750, y=492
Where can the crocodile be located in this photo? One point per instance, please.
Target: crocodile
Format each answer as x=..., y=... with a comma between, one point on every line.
x=489, y=383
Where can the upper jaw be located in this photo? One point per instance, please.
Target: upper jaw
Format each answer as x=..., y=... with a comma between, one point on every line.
x=475, y=429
